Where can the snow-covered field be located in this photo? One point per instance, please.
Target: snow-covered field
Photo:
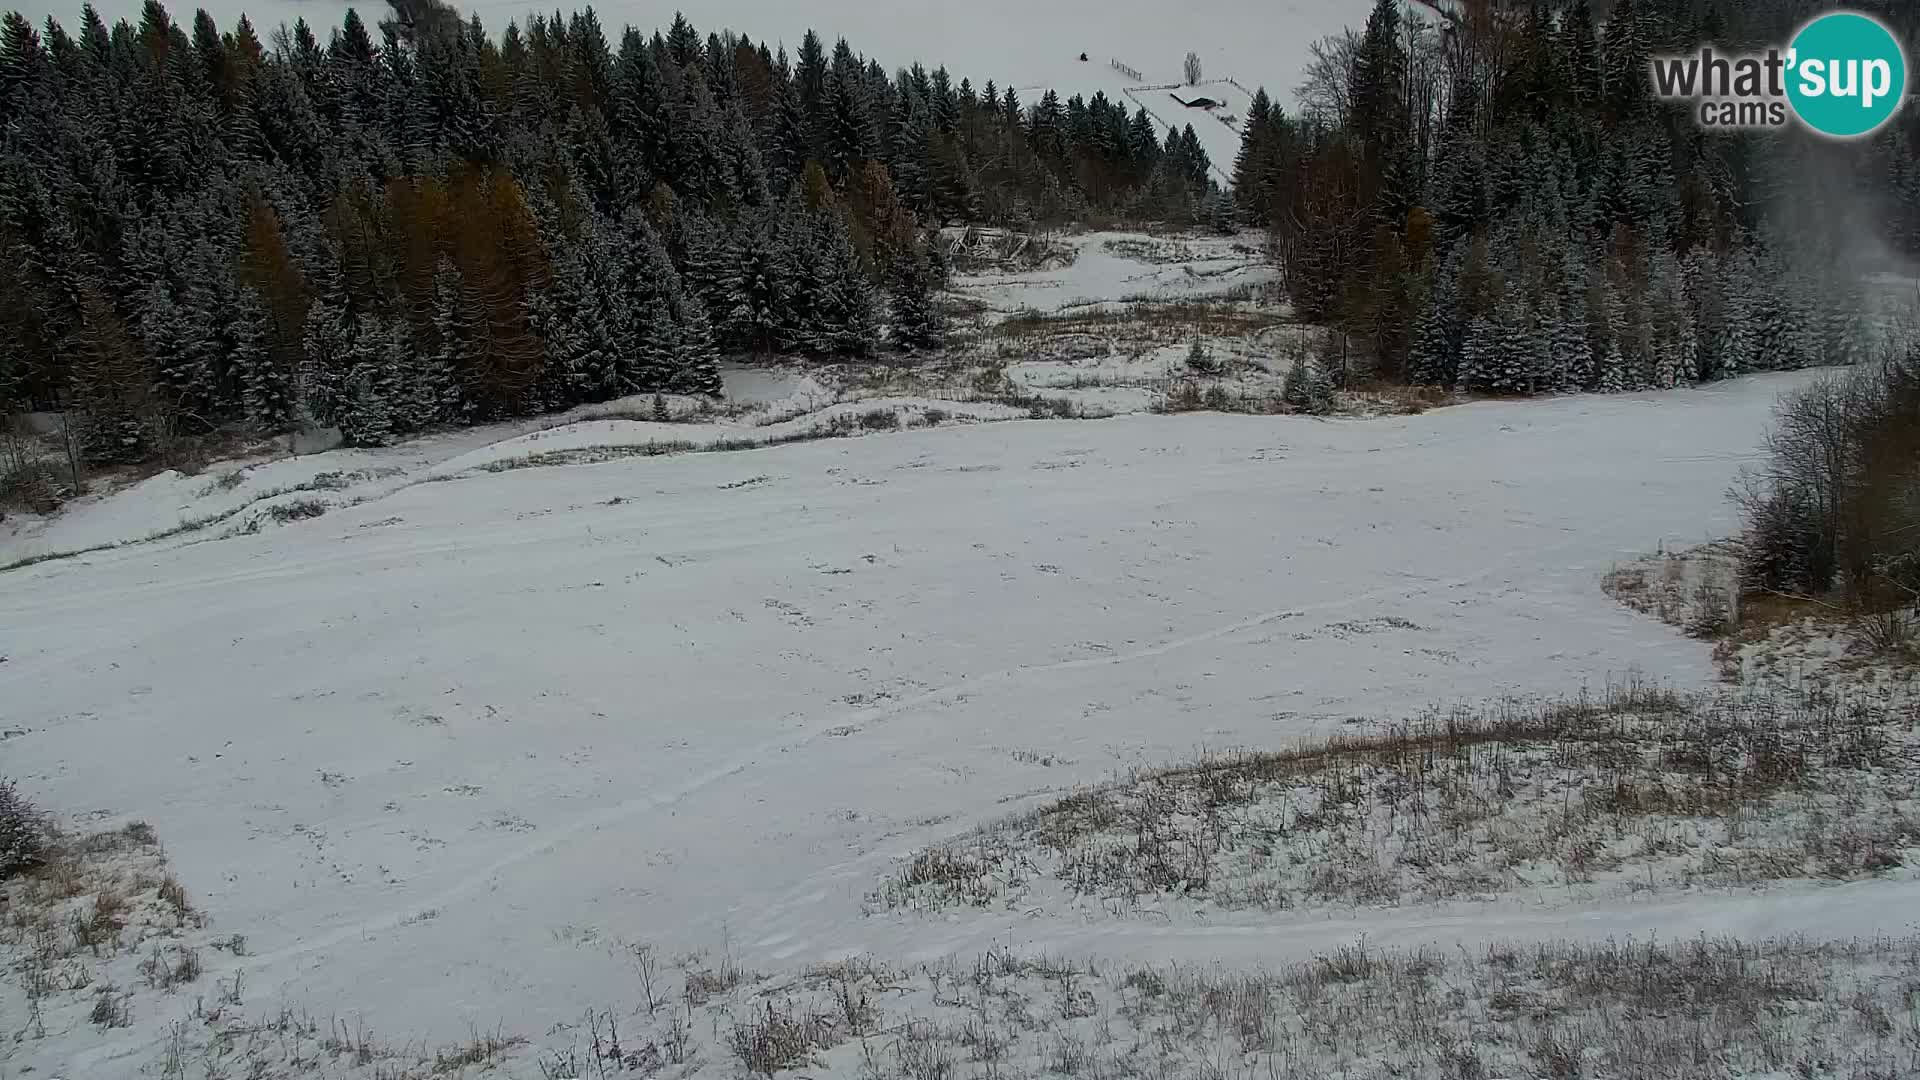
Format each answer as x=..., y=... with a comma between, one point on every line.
x=434, y=754
x=1109, y=268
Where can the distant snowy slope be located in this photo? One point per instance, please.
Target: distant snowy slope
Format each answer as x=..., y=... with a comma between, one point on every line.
x=1257, y=42
x=1155, y=90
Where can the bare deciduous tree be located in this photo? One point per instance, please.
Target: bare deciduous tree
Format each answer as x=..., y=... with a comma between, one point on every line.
x=1323, y=86
x=1193, y=69
x=1837, y=502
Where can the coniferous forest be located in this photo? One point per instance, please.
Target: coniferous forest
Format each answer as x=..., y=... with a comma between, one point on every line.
x=203, y=229
x=1506, y=208
x=425, y=221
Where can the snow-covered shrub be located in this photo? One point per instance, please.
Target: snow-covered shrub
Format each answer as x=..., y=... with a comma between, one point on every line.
x=1307, y=389
x=24, y=833
x=1201, y=359
x=879, y=420
x=32, y=485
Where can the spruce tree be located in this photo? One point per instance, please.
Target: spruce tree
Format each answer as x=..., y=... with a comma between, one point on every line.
x=759, y=316
x=1569, y=352
x=844, y=320
x=320, y=385
x=266, y=390
x=916, y=322
x=696, y=366
x=459, y=330
x=1306, y=388
x=1480, y=356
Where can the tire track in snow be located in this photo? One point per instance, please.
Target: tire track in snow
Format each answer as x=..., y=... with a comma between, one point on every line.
x=776, y=917
x=841, y=724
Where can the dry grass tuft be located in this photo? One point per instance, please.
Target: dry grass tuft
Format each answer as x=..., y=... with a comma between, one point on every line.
x=1635, y=790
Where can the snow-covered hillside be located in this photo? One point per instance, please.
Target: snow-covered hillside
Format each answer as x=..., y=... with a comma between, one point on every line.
x=431, y=755
x=1159, y=90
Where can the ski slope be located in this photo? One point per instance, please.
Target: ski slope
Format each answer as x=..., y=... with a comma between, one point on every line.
x=433, y=753
x=1217, y=129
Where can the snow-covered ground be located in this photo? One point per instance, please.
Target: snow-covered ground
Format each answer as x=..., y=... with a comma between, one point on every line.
x=1109, y=268
x=433, y=753
x=1101, y=274
x=243, y=496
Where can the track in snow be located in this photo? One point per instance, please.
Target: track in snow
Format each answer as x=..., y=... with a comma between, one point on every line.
x=714, y=711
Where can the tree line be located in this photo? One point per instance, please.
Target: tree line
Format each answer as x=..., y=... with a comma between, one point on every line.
x=1498, y=202
x=423, y=223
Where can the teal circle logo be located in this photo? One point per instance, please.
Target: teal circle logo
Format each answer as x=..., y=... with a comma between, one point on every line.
x=1847, y=74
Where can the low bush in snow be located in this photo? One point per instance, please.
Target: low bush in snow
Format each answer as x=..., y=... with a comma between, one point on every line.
x=1710, y=1006
x=25, y=835
x=1640, y=790
x=33, y=486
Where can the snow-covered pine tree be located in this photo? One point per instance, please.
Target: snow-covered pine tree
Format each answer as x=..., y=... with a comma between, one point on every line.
x=809, y=237
x=1623, y=56
x=1706, y=301
x=644, y=283
x=845, y=322
x=696, y=368
x=1434, y=359
x=415, y=385
x=365, y=414
x=1535, y=338
x=1221, y=215
x=1842, y=321
x=266, y=392
x=909, y=132
x=711, y=270
x=1628, y=330
x=1250, y=163
x=704, y=170
x=166, y=336
x=916, y=322
x=1612, y=375
x=652, y=367
x=1737, y=343
x=759, y=314
x=641, y=122
x=550, y=318
x=319, y=385
x=1306, y=388
x=1770, y=321
x=1479, y=355
x=1569, y=364
x=848, y=131
x=1670, y=326
x=740, y=151
x=110, y=383
x=789, y=141
x=459, y=330
x=683, y=41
